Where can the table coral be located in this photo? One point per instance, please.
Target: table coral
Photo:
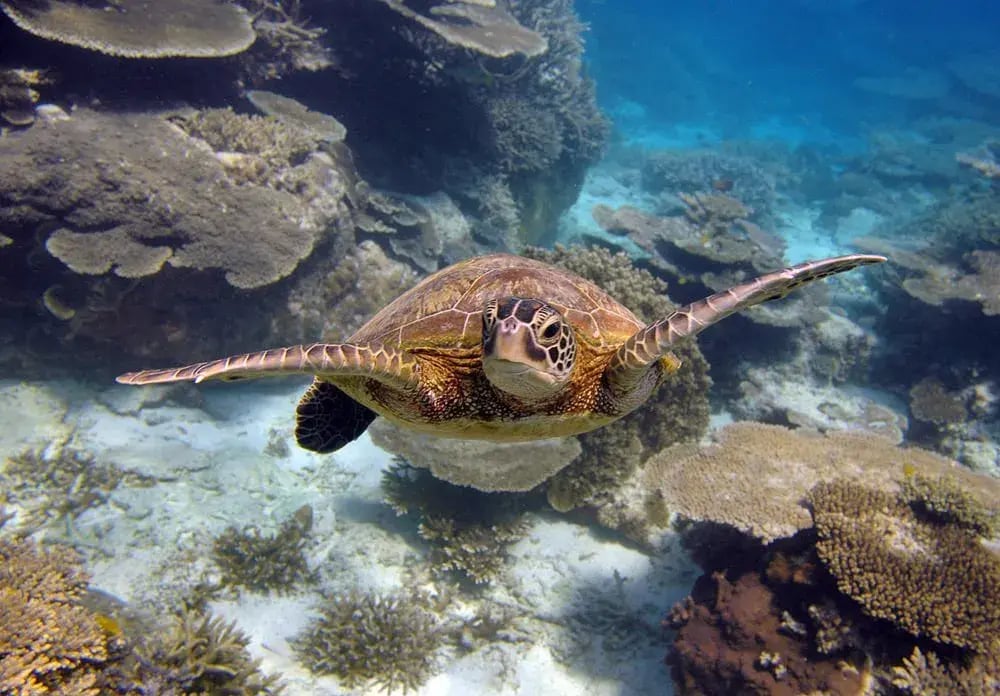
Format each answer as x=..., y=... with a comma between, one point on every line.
x=139, y=28
x=931, y=579
x=756, y=477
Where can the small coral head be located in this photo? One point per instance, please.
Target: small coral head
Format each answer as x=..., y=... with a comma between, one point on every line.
x=528, y=347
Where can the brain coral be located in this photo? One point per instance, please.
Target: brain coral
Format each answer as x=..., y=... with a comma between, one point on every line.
x=933, y=580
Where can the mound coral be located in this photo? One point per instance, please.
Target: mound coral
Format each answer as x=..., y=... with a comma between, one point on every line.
x=138, y=28
x=933, y=580
x=364, y=638
x=260, y=563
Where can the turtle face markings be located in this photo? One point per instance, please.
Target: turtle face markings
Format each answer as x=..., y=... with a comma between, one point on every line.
x=528, y=348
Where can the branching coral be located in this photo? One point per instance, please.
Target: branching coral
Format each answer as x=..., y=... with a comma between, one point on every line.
x=48, y=642
x=930, y=579
x=201, y=654
x=945, y=501
x=262, y=563
x=365, y=638
x=924, y=673
x=56, y=487
x=469, y=530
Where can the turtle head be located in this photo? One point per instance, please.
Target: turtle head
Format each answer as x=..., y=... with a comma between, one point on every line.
x=528, y=347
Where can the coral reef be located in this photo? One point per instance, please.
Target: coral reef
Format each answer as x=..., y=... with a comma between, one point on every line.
x=48, y=642
x=985, y=159
x=926, y=674
x=678, y=412
x=297, y=115
x=368, y=639
x=756, y=477
x=105, y=254
x=469, y=530
x=277, y=562
x=138, y=29
x=287, y=42
x=704, y=171
x=932, y=402
x=946, y=501
x=932, y=579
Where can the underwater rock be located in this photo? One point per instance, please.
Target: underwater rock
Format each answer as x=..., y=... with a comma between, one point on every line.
x=139, y=28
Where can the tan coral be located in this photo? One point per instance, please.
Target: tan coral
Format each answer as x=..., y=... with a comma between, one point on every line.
x=756, y=477
x=48, y=642
x=138, y=28
x=325, y=127
x=933, y=580
x=96, y=253
x=487, y=28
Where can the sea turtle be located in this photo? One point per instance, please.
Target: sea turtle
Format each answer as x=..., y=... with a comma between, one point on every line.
x=497, y=347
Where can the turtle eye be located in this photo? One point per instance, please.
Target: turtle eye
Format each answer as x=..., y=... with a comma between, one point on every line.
x=551, y=331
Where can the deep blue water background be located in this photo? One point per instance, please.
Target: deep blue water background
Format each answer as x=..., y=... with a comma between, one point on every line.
x=784, y=70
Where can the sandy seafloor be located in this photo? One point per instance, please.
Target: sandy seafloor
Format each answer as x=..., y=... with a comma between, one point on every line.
x=217, y=473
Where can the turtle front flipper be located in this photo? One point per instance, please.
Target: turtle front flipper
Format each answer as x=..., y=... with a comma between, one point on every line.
x=326, y=418
x=631, y=362
x=390, y=365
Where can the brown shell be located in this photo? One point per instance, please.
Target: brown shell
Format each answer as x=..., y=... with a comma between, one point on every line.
x=445, y=309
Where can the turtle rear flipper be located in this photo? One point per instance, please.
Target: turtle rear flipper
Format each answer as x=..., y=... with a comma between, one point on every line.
x=326, y=418
x=632, y=360
x=390, y=365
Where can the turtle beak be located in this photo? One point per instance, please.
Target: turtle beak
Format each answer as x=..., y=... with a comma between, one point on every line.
x=513, y=342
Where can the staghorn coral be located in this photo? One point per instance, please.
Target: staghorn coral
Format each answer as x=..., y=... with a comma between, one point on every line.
x=678, y=412
x=138, y=28
x=286, y=41
x=261, y=563
x=526, y=137
x=932, y=580
x=48, y=642
x=925, y=673
x=364, y=638
x=469, y=530
x=55, y=487
x=755, y=477
x=199, y=653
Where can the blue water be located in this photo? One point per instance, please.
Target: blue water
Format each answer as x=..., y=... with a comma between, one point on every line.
x=782, y=71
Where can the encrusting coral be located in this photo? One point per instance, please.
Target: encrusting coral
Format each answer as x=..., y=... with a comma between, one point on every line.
x=137, y=28
x=369, y=639
x=932, y=579
x=248, y=558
